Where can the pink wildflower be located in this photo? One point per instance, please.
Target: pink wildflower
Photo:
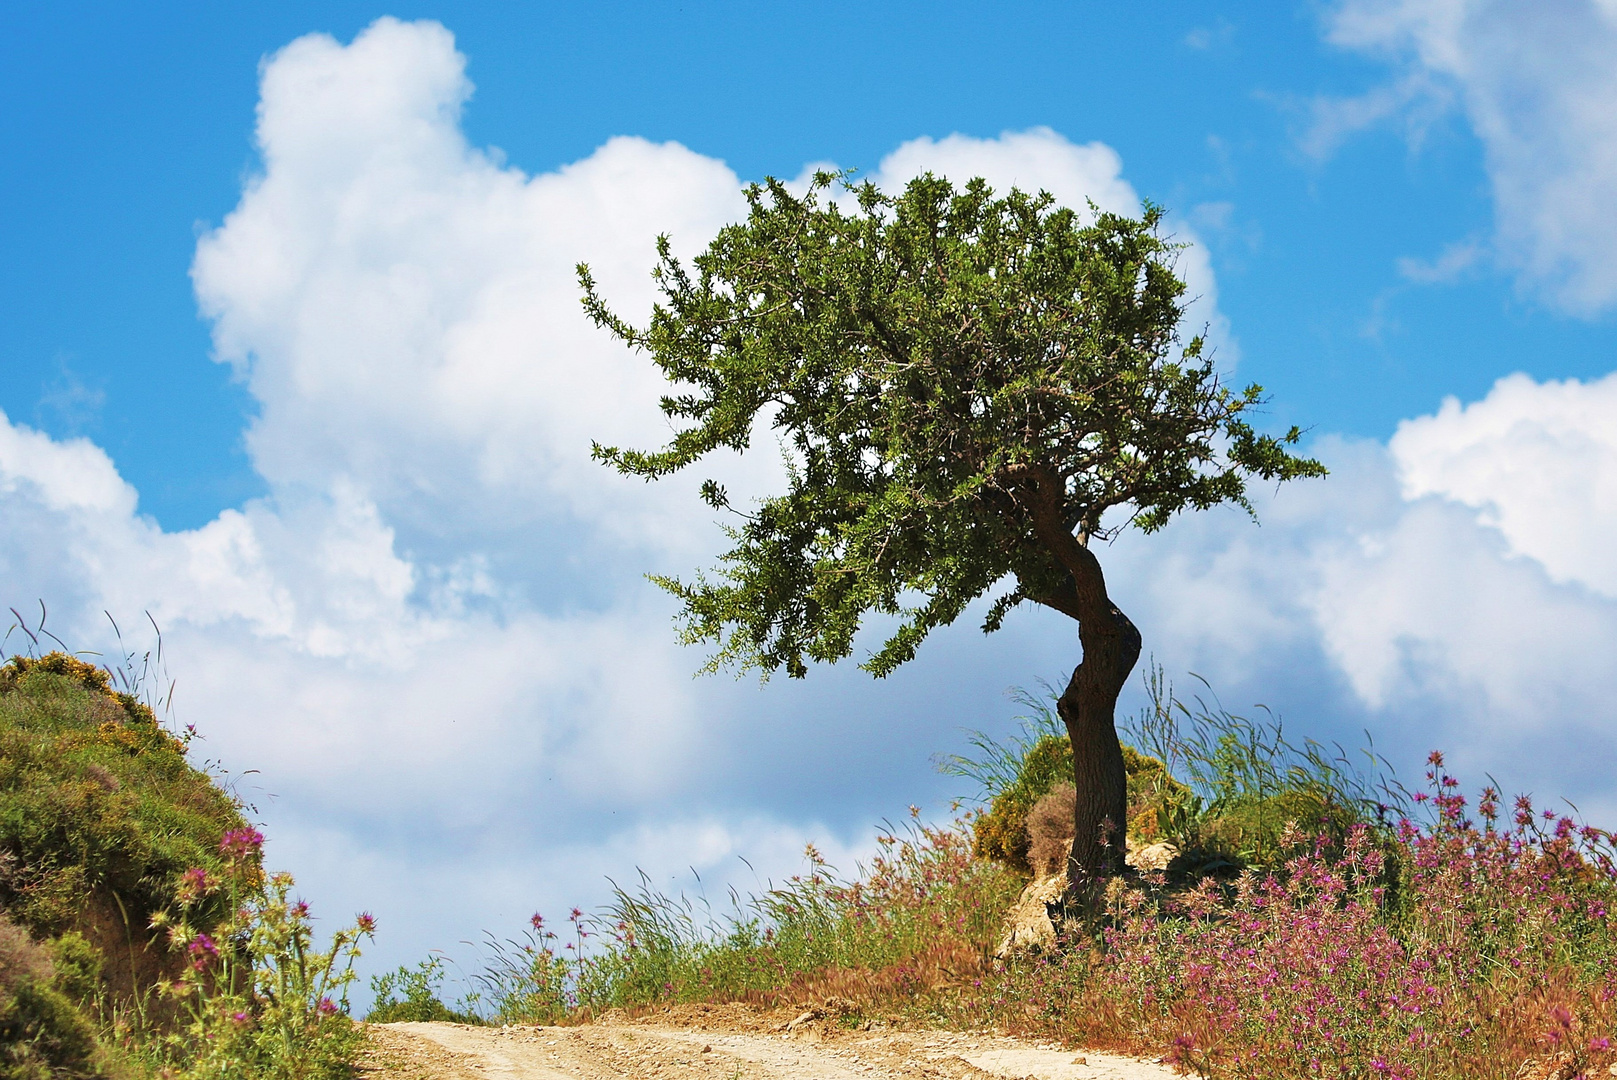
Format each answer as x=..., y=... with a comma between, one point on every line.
x=239, y=845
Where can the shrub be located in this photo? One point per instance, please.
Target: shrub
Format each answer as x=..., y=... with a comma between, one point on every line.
x=1013, y=777
x=43, y=1036
x=1001, y=833
x=421, y=986
x=1242, y=784
x=1245, y=783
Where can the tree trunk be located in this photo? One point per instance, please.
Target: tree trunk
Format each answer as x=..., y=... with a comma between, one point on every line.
x=1089, y=707
x=1111, y=645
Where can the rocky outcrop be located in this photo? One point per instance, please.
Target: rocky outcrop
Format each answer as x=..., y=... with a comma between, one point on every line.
x=1030, y=926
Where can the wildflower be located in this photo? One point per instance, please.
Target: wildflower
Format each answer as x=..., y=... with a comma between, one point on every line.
x=202, y=951
x=366, y=922
x=239, y=845
x=327, y=1007
x=194, y=883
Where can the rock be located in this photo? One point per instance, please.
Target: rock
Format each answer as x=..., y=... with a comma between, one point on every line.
x=1151, y=857
x=1028, y=926
x=1562, y=1066
x=806, y=1018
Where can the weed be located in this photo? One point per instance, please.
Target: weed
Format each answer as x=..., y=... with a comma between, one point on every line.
x=260, y=1000
x=925, y=911
x=421, y=987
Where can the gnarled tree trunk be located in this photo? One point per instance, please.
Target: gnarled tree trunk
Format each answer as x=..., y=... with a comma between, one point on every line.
x=1088, y=706
x=1111, y=645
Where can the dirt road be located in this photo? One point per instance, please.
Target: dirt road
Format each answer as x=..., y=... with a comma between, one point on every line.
x=726, y=1045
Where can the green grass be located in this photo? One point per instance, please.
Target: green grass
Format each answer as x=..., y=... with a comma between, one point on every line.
x=925, y=910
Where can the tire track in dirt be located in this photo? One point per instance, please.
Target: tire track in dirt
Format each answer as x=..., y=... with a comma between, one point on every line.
x=614, y=1049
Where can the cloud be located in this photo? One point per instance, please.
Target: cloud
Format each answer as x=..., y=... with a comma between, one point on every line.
x=1205, y=38
x=1450, y=265
x=1536, y=83
x=1416, y=102
x=1539, y=460
x=405, y=311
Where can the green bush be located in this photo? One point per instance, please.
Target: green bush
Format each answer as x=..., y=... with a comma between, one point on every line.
x=1221, y=788
x=1012, y=777
x=421, y=987
x=43, y=1036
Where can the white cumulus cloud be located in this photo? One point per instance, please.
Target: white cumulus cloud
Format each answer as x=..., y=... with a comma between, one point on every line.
x=1539, y=460
x=1537, y=84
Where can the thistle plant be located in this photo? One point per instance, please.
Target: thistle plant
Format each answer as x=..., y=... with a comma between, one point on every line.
x=259, y=1000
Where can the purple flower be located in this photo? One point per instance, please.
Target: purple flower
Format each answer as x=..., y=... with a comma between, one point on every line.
x=202, y=950
x=239, y=845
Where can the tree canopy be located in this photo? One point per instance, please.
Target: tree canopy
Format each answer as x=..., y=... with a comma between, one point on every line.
x=965, y=386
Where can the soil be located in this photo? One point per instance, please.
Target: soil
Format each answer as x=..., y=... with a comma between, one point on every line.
x=727, y=1043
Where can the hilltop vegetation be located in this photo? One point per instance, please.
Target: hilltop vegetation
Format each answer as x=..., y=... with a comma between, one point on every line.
x=1314, y=922
x=1311, y=922
x=139, y=933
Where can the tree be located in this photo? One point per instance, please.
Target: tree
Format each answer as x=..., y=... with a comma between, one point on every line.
x=964, y=387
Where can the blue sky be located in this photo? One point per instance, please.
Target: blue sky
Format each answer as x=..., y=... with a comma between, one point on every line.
x=290, y=356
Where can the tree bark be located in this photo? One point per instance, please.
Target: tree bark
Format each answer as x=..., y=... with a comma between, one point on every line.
x=1089, y=706
x=1111, y=645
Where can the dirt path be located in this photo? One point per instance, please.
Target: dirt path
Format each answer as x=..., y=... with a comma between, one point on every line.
x=726, y=1047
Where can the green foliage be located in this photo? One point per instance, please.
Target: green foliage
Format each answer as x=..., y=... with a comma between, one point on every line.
x=78, y=965
x=43, y=1036
x=421, y=987
x=961, y=384
x=1001, y=833
x=1013, y=776
x=1243, y=783
x=260, y=1001
x=99, y=810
